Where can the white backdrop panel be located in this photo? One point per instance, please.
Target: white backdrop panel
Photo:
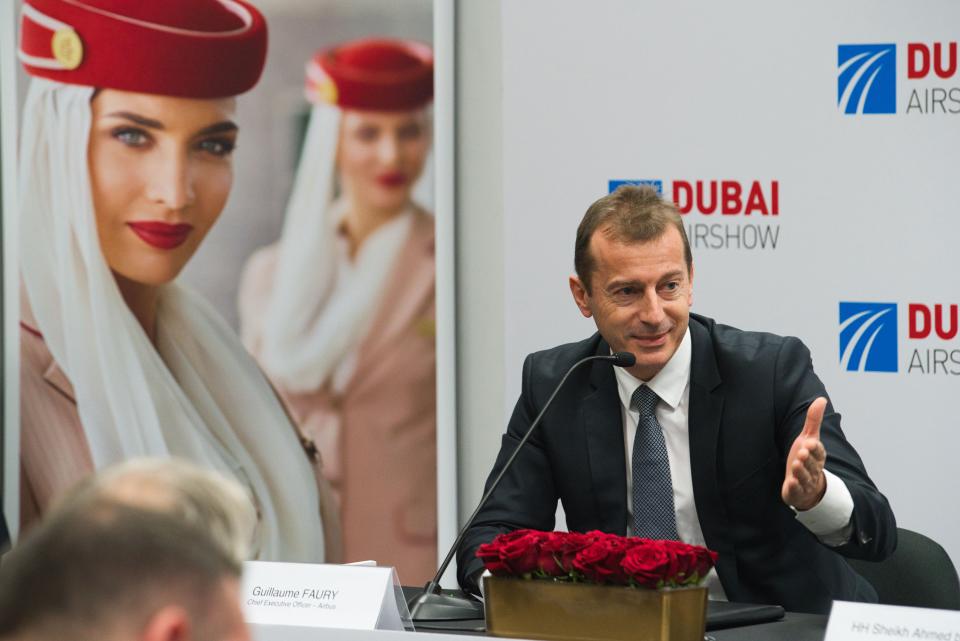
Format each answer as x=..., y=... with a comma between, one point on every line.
x=744, y=92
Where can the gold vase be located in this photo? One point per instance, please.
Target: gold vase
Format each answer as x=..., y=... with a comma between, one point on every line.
x=541, y=609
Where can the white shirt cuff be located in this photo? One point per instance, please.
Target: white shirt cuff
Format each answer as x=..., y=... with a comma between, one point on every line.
x=830, y=519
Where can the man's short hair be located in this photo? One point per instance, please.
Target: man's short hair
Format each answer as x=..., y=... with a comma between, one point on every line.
x=197, y=495
x=631, y=214
x=101, y=569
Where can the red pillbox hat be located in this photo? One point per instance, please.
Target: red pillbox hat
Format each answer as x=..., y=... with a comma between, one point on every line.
x=372, y=75
x=187, y=48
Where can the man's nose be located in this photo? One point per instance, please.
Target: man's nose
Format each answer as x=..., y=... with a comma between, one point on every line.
x=171, y=182
x=649, y=308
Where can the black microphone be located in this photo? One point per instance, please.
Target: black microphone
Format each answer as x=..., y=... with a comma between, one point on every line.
x=431, y=604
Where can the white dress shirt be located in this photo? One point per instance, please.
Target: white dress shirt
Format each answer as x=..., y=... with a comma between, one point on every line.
x=829, y=520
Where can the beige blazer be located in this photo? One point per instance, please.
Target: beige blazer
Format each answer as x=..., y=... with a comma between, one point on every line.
x=53, y=448
x=378, y=437
x=54, y=454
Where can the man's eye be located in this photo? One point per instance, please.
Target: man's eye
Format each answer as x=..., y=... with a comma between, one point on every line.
x=624, y=294
x=672, y=288
x=131, y=137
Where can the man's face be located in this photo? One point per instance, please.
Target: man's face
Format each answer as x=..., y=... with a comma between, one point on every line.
x=640, y=297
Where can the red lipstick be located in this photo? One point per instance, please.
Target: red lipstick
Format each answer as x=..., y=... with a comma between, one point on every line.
x=160, y=234
x=392, y=179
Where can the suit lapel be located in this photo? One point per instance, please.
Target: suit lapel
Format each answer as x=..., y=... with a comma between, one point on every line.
x=602, y=422
x=53, y=375
x=706, y=412
x=58, y=380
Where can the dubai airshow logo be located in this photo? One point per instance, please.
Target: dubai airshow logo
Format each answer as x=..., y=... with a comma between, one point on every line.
x=656, y=184
x=722, y=214
x=868, y=337
x=867, y=78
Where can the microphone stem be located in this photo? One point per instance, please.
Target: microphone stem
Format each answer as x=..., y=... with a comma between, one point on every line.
x=434, y=585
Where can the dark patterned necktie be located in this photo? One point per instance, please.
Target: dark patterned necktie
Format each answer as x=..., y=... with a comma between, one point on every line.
x=653, y=513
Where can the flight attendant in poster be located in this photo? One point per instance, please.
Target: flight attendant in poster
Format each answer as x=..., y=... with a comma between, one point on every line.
x=128, y=131
x=340, y=311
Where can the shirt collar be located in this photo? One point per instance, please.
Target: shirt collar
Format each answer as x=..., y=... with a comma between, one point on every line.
x=669, y=382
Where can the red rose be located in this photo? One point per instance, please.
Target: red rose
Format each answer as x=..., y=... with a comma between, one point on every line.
x=522, y=554
x=558, y=550
x=597, y=557
x=515, y=553
x=695, y=561
x=596, y=535
x=684, y=562
x=508, y=537
x=600, y=561
x=704, y=560
x=489, y=553
x=668, y=563
x=649, y=564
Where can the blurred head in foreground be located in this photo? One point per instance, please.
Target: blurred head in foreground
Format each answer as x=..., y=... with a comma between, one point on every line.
x=201, y=497
x=103, y=570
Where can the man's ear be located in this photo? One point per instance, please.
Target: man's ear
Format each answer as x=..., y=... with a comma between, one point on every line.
x=690, y=286
x=170, y=623
x=580, y=296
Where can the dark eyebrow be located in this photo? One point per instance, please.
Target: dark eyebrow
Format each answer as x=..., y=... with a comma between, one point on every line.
x=217, y=128
x=619, y=284
x=671, y=275
x=140, y=120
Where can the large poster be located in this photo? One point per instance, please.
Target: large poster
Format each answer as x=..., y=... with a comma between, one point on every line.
x=367, y=416
x=813, y=151
x=373, y=414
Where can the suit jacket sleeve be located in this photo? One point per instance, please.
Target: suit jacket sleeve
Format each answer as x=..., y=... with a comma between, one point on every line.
x=874, y=531
x=527, y=496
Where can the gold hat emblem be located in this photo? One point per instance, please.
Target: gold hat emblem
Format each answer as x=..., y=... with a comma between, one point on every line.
x=67, y=48
x=327, y=91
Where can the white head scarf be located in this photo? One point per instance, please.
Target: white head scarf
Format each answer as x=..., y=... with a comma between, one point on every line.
x=197, y=395
x=311, y=325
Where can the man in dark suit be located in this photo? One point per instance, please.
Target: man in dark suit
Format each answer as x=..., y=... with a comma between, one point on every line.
x=716, y=436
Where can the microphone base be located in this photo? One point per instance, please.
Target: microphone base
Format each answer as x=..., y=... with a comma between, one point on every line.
x=431, y=605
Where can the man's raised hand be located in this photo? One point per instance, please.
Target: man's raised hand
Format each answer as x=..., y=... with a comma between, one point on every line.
x=804, y=483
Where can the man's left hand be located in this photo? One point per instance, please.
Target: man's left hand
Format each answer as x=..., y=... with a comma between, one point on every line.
x=804, y=483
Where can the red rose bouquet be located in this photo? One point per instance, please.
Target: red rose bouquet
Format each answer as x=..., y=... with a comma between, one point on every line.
x=596, y=557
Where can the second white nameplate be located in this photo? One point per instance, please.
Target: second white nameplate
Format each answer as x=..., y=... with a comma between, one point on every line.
x=874, y=622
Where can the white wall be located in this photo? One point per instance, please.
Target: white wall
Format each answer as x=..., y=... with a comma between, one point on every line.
x=480, y=276
x=762, y=86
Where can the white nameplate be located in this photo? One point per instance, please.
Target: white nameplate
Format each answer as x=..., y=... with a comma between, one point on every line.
x=873, y=622
x=295, y=633
x=325, y=596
